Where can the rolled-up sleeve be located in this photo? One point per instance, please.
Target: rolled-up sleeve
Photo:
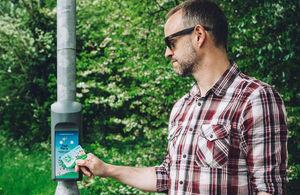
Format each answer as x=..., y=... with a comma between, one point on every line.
x=265, y=133
x=162, y=175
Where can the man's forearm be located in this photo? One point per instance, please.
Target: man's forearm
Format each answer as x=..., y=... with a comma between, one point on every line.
x=141, y=178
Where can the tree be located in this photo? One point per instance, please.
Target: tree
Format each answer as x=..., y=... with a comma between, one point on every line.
x=125, y=85
x=27, y=62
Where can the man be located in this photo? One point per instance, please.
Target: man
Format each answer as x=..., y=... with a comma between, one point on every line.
x=228, y=135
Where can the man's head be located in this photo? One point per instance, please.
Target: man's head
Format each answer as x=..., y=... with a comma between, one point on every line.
x=189, y=25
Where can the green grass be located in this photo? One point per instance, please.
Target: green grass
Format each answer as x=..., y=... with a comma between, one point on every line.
x=25, y=172
x=28, y=172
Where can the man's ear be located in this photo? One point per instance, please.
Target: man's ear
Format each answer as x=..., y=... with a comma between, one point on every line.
x=200, y=35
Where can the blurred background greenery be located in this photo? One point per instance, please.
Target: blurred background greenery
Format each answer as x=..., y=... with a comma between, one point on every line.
x=124, y=84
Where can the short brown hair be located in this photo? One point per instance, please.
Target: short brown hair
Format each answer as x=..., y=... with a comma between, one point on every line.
x=206, y=13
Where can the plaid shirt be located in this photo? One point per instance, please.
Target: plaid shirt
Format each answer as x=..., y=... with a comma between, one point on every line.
x=232, y=141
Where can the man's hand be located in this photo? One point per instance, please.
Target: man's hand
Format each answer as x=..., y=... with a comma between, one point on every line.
x=92, y=166
x=141, y=178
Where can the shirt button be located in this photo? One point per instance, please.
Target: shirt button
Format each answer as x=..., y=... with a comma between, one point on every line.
x=181, y=182
x=199, y=103
x=191, y=129
x=211, y=135
x=184, y=156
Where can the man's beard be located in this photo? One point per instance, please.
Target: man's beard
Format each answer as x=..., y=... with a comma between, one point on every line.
x=188, y=63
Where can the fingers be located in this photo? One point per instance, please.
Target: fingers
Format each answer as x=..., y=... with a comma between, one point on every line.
x=90, y=155
x=84, y=170
x=77, y=168
x=83, y=166
x=81, y=162
x=86, y=161
x=87, y=172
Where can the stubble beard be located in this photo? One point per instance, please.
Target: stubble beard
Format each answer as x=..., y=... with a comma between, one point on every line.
x=188, y=63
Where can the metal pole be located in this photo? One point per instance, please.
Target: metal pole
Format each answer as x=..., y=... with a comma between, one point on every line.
x=66, y=68
x=66, y=50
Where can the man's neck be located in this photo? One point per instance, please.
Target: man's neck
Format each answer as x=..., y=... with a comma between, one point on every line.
x=210, y=71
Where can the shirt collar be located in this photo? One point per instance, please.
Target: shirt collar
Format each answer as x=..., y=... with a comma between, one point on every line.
x=226, y=80
x=221, y=85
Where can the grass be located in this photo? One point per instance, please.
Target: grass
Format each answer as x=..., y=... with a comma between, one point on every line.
x=25, y=172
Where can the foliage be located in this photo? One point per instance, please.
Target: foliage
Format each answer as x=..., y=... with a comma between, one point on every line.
x=124, y=84
x=27, y=61
x=264, y=42
x=127, y=88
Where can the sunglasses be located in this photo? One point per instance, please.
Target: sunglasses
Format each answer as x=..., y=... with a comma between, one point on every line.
x=169, y=39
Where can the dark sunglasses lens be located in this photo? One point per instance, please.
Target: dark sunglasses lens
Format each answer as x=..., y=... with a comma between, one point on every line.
x=168, y=43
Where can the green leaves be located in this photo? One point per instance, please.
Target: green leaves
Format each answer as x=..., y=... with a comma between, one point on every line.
x=27, y=58
x=125, y=85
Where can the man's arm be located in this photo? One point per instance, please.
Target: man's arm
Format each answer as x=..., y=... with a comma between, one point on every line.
x=141, y=178
x=265, y=134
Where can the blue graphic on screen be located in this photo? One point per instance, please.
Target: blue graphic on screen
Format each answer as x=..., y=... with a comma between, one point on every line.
x=65, y=141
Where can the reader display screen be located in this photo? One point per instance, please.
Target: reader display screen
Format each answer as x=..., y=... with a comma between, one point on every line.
x=65, y=141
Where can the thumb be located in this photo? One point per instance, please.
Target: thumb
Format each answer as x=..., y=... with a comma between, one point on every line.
x=80, y=162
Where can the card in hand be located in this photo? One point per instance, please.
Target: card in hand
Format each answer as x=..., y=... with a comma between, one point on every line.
x=69, y=158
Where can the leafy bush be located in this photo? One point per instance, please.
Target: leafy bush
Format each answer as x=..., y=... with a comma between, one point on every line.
x=125, y=85
x=27, y=61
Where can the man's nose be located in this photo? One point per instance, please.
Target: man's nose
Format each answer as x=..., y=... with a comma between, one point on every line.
x=169, y=53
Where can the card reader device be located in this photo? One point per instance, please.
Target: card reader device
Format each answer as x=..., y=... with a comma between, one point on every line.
x=66, y=130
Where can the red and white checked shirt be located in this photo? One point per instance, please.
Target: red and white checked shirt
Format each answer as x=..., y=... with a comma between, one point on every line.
x=232, y=141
